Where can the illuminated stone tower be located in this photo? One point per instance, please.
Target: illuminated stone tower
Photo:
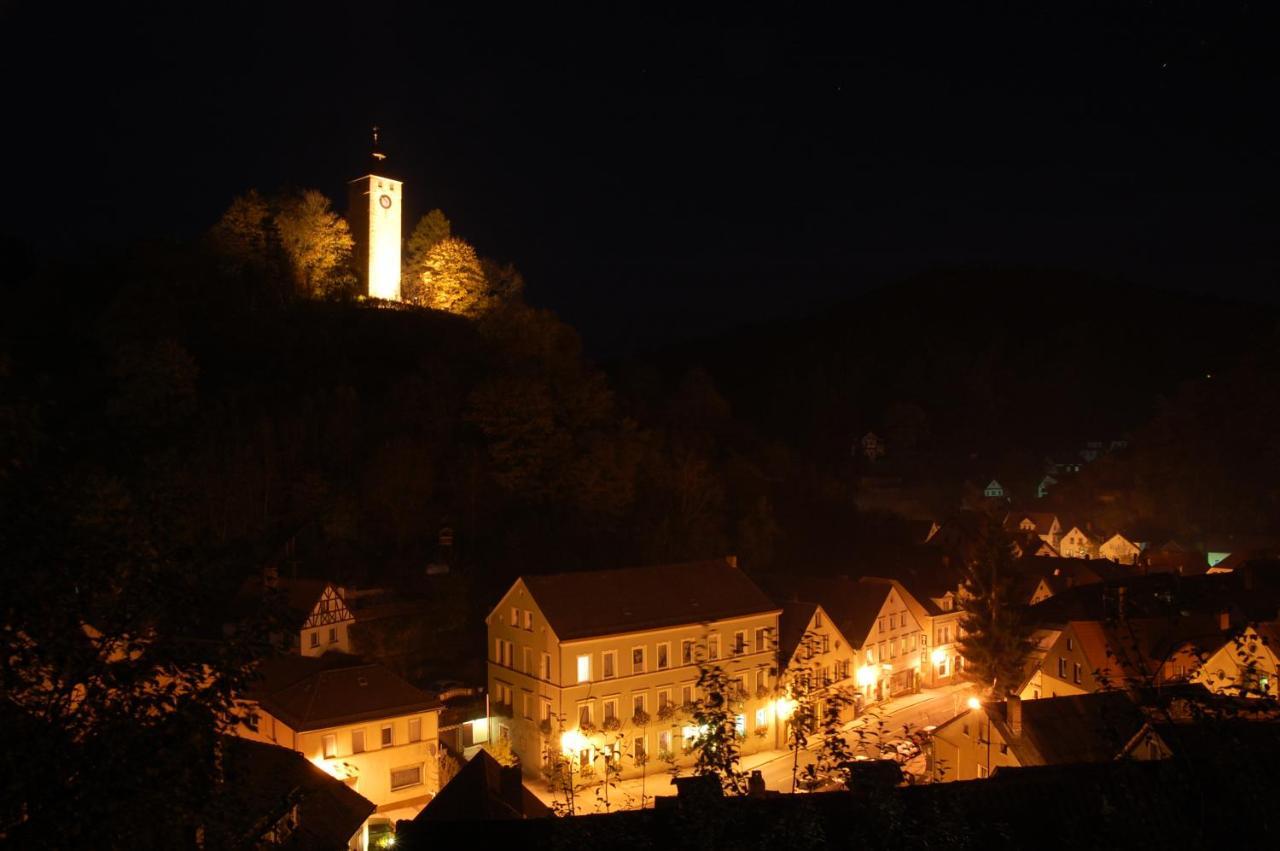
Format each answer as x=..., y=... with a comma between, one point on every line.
x=374, y=215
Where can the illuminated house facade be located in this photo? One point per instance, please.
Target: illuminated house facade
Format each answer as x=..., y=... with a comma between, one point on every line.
x=359, y=722
x=318, y=616
x=814, y=651
x=1120, y=549
x=1245, y=664
x=1078, y=544
x=890, y=643
x=581, y=662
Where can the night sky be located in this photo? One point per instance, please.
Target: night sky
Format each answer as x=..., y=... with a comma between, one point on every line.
x=671, y=176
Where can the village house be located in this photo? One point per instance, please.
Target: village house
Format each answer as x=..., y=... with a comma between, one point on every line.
x=1077, y=543
x=357, y=721
x=1099, y=655
x=579, y=659
x=815, y=653
x=273, y=797
x=1120, y=549
x=1040, y=525
x=890, y=644
x=1015, y=733
x=318, y=619
x=1244, y=662
x=994, y=490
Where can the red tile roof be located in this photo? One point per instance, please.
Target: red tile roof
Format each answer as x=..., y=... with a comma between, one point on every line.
x=606, y=602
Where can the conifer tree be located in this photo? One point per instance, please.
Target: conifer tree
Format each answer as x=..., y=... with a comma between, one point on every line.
x=995, y=634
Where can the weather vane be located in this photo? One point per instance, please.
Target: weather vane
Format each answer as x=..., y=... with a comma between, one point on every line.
x=377, y=155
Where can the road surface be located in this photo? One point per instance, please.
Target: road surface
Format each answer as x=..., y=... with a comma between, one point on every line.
x=913, y=712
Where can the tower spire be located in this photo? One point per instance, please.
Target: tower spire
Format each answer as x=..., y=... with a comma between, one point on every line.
x=378, y=156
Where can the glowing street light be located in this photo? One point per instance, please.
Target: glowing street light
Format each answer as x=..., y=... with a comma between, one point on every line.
x=974, y=703
x=938, y=656
x=572, y=742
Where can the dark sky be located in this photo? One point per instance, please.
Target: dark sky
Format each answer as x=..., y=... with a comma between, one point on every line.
x=664, y=176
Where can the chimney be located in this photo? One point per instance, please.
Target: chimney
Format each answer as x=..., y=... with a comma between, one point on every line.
x=1013, y=713
x=731, y=560
x=511, y=787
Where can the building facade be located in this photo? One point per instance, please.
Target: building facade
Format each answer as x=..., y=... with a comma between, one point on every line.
x=600, y=662
x=359, y=722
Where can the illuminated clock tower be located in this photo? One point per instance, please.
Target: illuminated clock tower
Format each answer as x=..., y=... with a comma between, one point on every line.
x=374, y=215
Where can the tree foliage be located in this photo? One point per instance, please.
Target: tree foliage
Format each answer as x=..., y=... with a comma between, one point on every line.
x=430, y=231
x=716, y=743
x=995, y=634
x=453, y=280
x=317, y=243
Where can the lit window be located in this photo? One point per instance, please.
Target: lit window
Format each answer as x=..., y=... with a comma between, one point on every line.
x=584, y=668
x=333, y=635
x=315, y=639
x=546, y=666
x=402, y=778
x=528, y=620
x=760, y=718
x=739, y=642
x=611, y=709
x=387, y=736
x=637, y=660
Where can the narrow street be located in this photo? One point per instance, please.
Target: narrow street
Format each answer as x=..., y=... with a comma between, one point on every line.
x=883, y=723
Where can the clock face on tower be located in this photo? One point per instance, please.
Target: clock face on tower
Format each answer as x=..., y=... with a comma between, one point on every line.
x=385, y=201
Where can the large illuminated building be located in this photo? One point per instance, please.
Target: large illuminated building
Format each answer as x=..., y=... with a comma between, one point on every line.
x=374, y=216
x=581, y=663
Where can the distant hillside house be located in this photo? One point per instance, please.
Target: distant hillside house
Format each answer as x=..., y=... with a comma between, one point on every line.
x=1078, y=544
x=872, y=446
x=318, y=617
x=1041, y=524
x=1045, y=485
x=576, y=657
x=1120, y=549
x=994, y=490
x=1246, y=663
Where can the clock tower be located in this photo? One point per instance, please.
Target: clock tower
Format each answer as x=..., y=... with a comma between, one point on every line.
x=374, y=216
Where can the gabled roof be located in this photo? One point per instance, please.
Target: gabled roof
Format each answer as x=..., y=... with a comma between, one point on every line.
x=795, y=620
x=263, y=782
x=484, y=790
x=313, y=693
x=1062, y=730
x=1043, y=520
x=298, y=596
x=853, y=606
x=607, y=602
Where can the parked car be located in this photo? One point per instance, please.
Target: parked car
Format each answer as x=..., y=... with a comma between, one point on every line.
x=900, y=750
